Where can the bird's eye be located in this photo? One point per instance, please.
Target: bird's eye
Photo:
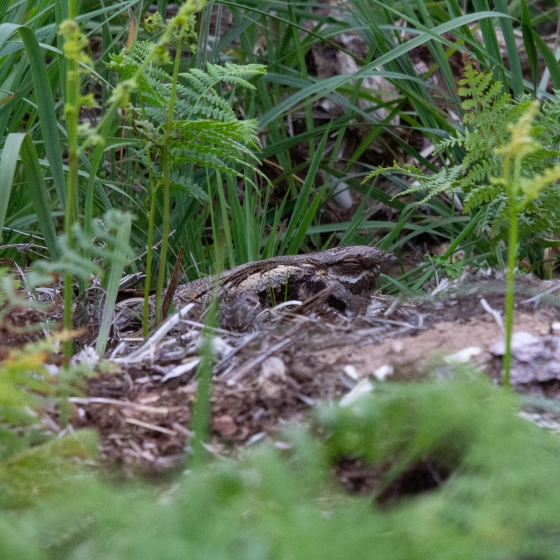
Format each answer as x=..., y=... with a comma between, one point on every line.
x=351, y=262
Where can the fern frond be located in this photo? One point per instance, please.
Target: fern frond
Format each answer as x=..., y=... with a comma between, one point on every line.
x=184, y=153
x=240, y=134
x=229, y=73
x=480, y=173
x=445, y=180
x=127, y=62
x=480, y=95
x=203, y=104
x=208, y=158
x=548, y=120
x=483, y=194
x=186, y=185
x=154, y=114
x=459, y=139
x=489, y=114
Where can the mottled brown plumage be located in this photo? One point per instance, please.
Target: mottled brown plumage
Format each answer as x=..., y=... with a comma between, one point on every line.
x=351, y=271
x=346, y=276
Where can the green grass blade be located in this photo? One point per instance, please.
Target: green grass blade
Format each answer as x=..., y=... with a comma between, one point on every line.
x=399, y=285
x=6, y=31
x=320, y=89
x=549, y=59
x=224, y=227
x=356, y=223
x=294, y=227
x=8, y=164
x=46, y=110
x=393, y=235
x=240, y=228
x=490, y=40
x=303, y=228
x=21, y=143
x=512, y=50
x=118, y=262
x=373, y=192
x=529, y=42
x=95, y=160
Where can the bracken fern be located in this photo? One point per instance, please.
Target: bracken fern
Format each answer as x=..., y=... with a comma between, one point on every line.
x=489, y=113
x=181, y=122
x=206, y=131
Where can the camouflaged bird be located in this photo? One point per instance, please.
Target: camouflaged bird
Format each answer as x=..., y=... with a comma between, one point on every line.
x=347, y=275
x=351, y=273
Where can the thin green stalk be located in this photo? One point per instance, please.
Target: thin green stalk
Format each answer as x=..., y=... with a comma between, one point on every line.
x=71, y=113
x=150, y=241
x=202, y=407
x=225, y=229
x=165, y=181
x=117, y=251
x=149, y=256
x=201, y=412
x=71, y=33
x=512, y=257
x=520, y=193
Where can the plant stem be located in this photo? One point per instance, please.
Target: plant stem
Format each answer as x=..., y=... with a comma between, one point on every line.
x=201, y=409
x=202, y=406
x=148, y=281
x=512, y=190
x=150, y=242
x=71, y=111
x=165, y=181
x=512, y=255
x=70, y=217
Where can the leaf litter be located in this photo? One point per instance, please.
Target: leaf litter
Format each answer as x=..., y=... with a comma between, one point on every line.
x=291, y=362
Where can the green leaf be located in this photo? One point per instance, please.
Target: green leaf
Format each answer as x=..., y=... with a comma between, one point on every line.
x=320, y=89
x=512, y=50
x=297, y=228
x=549, y=59
x=45, y=102
x=20, y=143
x=529, y=42
x=119, y=258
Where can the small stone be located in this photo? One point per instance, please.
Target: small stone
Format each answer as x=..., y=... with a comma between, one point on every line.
x=224, y=425
x=463, y=356
x=351, y=372
x=382, y=372
x=272, y=380
x=363, y=387
x=273, y=366
x=518, y=340
x=397, y=346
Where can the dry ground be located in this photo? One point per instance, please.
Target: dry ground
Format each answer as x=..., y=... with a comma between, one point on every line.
x=293, y=362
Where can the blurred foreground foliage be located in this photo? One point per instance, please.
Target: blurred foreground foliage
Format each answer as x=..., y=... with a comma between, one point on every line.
x=36, y=457
x=500, y=499
x=34, y=463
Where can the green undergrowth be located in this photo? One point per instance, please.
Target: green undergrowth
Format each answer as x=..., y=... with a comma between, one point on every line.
x=499, y=499
x=36, y=458
x=46, y=77
x=35, y=462
x=477, y=179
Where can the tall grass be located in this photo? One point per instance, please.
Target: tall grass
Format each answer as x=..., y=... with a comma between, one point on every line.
x=266, y=219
